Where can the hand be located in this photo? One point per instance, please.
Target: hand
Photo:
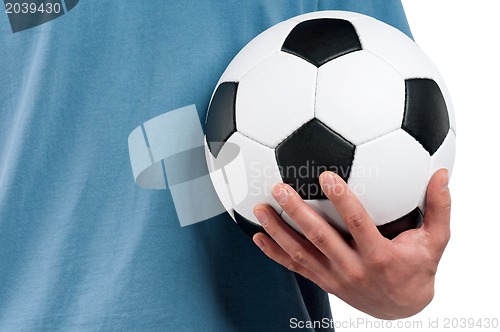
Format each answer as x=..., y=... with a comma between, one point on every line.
x=383, y=278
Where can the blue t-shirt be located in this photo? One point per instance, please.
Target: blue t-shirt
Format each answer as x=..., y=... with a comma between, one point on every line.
x=82, y=247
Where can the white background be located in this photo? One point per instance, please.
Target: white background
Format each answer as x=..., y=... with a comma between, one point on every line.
x=462, y=38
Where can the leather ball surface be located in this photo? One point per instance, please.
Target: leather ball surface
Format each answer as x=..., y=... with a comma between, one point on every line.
x=335, y=91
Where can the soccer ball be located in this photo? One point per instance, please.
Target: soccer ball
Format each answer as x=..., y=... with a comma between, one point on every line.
x=337, y=91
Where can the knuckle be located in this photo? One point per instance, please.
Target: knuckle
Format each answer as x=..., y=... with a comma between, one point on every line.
x=271, y=231
x=318, y=237
x=379, y=260
x=356, y=219
x=446, y=203
x=432, y=268
x=292, y=266
x=441, y=199
x=354, y=277
x=443, y=241
x=292, y=209
x=298, y=256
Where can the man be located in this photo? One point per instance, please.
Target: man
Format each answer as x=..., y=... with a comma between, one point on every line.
x=81, y=246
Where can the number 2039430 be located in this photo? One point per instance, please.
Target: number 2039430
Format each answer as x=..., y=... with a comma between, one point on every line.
x=470, y=323
x=32, y=8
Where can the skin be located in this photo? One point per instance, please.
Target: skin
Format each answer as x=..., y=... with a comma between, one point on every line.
x=387, y=279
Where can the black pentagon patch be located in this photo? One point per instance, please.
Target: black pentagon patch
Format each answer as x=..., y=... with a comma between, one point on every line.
x=308, y=152
x=412, y=220
x=426, y=115
x=321, y=40
x=221, y=121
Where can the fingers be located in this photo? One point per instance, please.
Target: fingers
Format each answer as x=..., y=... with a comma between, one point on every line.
x=299, y=250
x=354, y=215
x=318, y=231
x=438, y=208
x=280, y=256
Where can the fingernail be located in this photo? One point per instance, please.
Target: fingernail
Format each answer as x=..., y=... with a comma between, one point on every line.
x=445, y=180
x=261, y=217
x=280, y=194
x=328, y=181
x=259, y=243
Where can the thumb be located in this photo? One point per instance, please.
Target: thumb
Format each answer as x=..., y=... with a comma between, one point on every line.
x=438, y=208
